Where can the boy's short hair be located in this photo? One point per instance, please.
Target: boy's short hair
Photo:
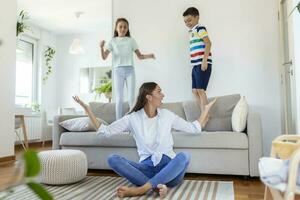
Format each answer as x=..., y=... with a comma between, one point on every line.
x=191, y=11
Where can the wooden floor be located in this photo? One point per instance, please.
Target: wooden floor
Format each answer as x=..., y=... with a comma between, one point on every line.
x=244, y=188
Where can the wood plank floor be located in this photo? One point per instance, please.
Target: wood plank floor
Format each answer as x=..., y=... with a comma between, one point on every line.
x=251, y=188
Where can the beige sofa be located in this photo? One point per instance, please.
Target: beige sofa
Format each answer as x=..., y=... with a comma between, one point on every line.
x=218, y=150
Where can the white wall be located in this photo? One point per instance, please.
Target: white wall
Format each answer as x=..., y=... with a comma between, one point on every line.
x=69, y=65
x=7, y=76
x=48, y=89
x=245, y=43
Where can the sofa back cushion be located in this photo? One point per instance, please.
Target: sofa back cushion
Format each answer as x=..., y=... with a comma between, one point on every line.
x=107, y=111
x=220, y=114
x=176, y=108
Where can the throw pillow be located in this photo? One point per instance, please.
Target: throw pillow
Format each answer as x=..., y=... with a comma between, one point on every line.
x=239, y=115
x=80, y=124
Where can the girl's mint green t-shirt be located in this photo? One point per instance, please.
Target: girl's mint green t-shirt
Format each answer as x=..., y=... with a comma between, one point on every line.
x=122, y=49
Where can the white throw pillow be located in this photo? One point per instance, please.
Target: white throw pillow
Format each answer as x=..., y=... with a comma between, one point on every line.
x=80, y=124
x=239, y=115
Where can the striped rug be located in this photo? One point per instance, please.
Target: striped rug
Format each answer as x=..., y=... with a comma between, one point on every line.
x=104, y=187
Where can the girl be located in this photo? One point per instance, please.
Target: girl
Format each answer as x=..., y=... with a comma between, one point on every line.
x=122, y=47
x=159, y=166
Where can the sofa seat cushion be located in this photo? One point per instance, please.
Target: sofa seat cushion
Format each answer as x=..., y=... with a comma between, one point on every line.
x=91, y=139
x=206, y=140
x=213, y=140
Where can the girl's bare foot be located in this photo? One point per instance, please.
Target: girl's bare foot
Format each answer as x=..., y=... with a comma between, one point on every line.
x=162, y=190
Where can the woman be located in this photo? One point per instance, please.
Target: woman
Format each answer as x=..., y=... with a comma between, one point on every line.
x=159, y=167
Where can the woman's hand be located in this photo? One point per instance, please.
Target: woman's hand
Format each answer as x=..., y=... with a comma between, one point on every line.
x=80, y=102
x=204, y=116
x=88, y=111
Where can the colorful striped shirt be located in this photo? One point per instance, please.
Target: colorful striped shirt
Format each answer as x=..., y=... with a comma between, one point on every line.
x=197, y=45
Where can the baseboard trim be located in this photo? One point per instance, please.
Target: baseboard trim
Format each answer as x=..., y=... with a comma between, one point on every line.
x=35, y=144
x=8, y=159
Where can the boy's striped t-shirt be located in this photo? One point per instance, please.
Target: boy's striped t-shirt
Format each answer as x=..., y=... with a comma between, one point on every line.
x=197, y=45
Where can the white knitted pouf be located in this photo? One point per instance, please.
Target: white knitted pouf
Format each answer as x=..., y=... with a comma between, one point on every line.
x=62, y=166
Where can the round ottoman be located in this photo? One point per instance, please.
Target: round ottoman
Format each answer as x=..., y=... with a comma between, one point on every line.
x=62, y=166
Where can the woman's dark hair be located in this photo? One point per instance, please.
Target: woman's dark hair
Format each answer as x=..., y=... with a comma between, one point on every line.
x=145, y=89
x=121, y=20
x=191, y=11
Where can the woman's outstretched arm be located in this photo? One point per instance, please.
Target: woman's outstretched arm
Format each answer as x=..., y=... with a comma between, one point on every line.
x=119, y=126
x=88, y=111
x=204, y=116
x=193, y=127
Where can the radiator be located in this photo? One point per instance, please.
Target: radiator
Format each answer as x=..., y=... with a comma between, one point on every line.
x=33, y=128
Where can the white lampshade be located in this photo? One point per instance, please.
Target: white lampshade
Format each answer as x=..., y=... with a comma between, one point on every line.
x=76, y=47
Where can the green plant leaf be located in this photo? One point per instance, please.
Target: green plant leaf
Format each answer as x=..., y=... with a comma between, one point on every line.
x=296, y=7
x=21, y=27
x=49, y=55
x=107, y=87
x=40, y=191
x=32, y=163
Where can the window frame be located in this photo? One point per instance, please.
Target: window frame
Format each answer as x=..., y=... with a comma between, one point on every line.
x=35, y=70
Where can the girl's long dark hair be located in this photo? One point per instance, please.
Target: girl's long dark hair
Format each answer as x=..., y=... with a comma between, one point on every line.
x=121, y=20
x=145, y=89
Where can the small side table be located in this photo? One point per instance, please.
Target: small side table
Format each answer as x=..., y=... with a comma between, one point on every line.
x=20, y=123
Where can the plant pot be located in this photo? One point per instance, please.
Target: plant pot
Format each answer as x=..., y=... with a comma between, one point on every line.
x=108, y=95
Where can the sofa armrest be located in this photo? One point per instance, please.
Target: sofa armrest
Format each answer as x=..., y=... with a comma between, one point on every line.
x=254, y=132
x=58, y=130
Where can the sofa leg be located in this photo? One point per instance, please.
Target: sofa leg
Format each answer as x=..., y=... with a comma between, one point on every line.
x=246, y=178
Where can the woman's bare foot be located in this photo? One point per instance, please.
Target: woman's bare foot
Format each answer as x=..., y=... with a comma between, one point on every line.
x=162, y=190
x=125, y=191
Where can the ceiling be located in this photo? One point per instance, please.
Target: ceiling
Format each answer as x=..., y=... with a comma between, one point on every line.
x=59, y=17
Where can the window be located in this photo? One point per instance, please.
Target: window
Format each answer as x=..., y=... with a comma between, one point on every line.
x=26, y=73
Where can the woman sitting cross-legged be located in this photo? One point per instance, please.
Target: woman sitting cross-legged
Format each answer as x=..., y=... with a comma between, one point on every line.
x=159, y=166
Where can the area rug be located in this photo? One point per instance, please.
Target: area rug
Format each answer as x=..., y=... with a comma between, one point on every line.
x=104, y=187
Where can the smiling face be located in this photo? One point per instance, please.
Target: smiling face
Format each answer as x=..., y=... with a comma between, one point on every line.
x=156, y=97
x=122, y=28
x=191, y=21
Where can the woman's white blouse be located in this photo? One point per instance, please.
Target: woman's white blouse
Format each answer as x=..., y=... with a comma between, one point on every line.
x=135, y=123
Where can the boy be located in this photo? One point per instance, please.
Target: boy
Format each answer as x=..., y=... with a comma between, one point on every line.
x=201, y=61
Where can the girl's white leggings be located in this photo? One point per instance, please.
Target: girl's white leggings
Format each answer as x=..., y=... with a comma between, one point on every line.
x=122, y=75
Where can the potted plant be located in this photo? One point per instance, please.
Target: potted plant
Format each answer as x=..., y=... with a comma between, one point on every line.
x=106, y=89
x=21, y=26
x=35, y=107
x=48, y=55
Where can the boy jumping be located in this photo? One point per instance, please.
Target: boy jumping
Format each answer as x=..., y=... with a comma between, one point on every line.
x=201, y=61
